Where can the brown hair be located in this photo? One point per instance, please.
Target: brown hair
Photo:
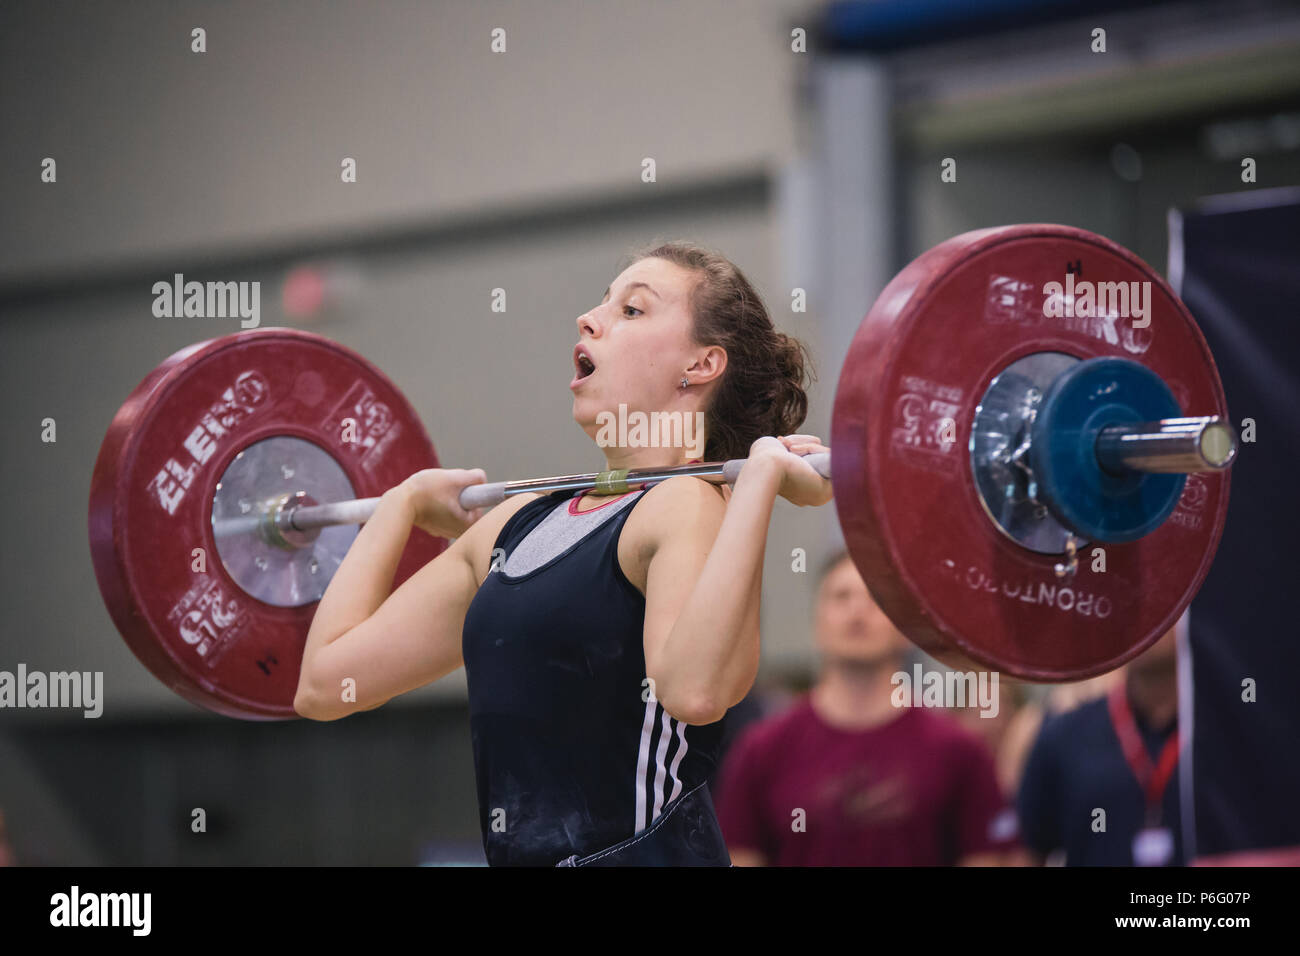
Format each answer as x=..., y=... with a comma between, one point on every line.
x=762, y=390
x=831, y=563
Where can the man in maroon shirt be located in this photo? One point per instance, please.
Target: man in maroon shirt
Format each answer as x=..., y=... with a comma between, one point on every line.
x=845, y=778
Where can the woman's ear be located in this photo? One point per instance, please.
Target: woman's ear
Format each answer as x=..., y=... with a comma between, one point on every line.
x=709, y=365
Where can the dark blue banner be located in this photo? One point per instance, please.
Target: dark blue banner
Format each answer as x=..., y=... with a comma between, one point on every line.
x=1235, y=260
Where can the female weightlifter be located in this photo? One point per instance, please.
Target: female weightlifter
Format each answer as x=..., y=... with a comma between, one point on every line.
x=603, y=637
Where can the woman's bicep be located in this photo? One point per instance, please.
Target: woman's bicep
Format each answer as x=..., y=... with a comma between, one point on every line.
x=413, y=638
x=686, y=522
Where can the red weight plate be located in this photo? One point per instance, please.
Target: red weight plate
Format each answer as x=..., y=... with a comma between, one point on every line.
x=151, y=501
x=912, y=518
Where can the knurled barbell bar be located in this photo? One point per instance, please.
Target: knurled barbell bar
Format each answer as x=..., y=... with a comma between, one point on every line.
x=1174, y=446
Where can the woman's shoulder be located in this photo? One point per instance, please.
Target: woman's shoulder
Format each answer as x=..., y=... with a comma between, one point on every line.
x=682, y=506
x=681, y=487
x=683, y=498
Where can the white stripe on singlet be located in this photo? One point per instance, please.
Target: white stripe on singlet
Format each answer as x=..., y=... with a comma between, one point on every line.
x=665, y=735
x=642, y=761
x=662, y=772
x=677, y=761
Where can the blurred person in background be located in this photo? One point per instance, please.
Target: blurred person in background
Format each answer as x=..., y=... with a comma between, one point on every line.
x=1100, y=785
x=844, y=777
x=1040, y=702
x=770, y=695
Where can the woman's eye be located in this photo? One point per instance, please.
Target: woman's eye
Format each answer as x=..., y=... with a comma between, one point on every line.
x=633, y=308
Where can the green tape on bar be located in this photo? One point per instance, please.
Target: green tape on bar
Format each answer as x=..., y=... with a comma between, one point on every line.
x=611, y=482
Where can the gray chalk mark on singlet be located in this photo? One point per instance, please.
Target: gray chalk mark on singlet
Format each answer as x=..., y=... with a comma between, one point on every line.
x=558, y=532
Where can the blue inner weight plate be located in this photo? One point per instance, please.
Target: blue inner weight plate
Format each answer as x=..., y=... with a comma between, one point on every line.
x=1097, y=504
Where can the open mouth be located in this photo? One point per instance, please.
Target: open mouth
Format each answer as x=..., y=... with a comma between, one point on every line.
x=583, y=363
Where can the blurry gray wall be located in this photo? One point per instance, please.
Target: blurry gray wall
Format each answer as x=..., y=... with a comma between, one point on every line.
x=163, y=151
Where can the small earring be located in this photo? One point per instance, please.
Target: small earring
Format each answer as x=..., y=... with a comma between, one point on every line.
x=684, y=382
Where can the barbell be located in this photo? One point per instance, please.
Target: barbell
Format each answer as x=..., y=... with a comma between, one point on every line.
x=1014, y=473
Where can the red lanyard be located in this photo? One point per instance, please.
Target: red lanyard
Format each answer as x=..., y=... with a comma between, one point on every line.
x=1152, y=780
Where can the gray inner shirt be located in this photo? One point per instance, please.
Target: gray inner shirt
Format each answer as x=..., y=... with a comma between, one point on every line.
x=558, y=532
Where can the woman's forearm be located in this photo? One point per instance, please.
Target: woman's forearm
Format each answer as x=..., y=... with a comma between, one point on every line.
x=365, y=578
x=711, y=653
